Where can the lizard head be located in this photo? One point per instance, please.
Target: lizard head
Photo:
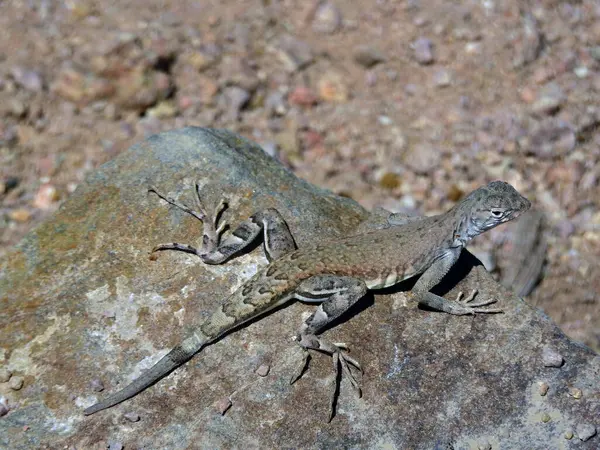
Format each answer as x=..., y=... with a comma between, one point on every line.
x=493, y=204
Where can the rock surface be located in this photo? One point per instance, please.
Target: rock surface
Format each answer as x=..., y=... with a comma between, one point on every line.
x=82, y=301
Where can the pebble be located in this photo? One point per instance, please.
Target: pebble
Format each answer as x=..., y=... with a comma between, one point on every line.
x=97, y=385
x=46, y=196
x=442, y=78
x=28, y=79
x=327, y=18
x=294, y=53
x=17, y=108
x=207, y=56
x=163, y=110
x=543, y=388
x=5, y=375
x=132, y=416
x=585, y=431
x=551, y=138
x=16, y=383
x=332, y=88
x=223, y=405
x=302, y=96
x=422, y=158
x=423, y=51
x=20, y=215
x=115, y=446
x=3, y=410
x=236, y=98
x=550, y=100
x=367, y=56
x=263, y=370
x=551, y=358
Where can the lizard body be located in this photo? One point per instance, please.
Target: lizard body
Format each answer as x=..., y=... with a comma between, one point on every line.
x=336, y=273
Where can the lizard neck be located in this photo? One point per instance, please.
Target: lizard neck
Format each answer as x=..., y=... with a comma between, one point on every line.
x=463, y=227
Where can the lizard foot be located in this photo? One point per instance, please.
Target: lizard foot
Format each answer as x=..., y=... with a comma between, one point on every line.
x=343, y=365
x=212, y=229
x=472, y=308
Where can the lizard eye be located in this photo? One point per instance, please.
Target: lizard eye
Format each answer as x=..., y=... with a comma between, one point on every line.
x=496, y=212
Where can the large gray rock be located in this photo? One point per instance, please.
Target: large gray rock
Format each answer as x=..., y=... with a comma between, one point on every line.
x=83, y=306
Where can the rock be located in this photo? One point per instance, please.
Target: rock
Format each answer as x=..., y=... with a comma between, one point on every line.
x=442, y=78
x=294, y=53
x=332, y=87
x=303, y=96
x=549, y=101
x=236, y=98
x=585, y=431
x=20, y=215
x=327, y=18
x=550, y=138
x=28, y=79
x=458, y=378
x=5, y=374
x=423, y=51
x=132, y=416
x=422, y=158
x=367, y=56
x=263, y=370
x=551, y=358
x=3, y=410
x=46, y=197
x=16, y=383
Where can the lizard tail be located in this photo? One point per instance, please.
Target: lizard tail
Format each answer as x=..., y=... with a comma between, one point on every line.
x=175, y=358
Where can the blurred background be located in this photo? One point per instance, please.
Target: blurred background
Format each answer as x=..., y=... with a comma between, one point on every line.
x=404, y=104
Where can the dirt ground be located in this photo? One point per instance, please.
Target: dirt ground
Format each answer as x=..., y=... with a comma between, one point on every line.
x=402, y=104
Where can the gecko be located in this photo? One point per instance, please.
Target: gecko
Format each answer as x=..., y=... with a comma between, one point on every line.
x=335, y=274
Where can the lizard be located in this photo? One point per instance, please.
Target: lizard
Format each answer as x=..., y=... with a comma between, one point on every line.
x=335, y=273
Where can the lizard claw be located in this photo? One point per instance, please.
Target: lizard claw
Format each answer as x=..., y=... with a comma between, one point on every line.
x=475, y=307
x=343, y=365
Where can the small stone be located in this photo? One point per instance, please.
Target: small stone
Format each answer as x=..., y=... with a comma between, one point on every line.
x=386, y=121
x=275, y=103
x=585, y=431
x=551, y=358
x=423, y=50
x=207, y=56
x=5, y=375
x=97, y=385
x=223, y=405
x=16, y=383
x=17, y=108
x=546, y=418
x=390, y=181
x=422, y=158
x=20, y=215
x=327, y=18
x=28, y=79
x=132, y=416
x=263, y=370
x=550, y=100
x=332, y=88
x=543, y=388
x=302, y=96
x=569, y=435
x=294, y=53
x=163, y=110
x=551, y=138
x=3, y=410
x=236, y=99
x=581, y=71
x=115, y=446
x=46, y=196
x=575, y=393
x=442, y=78
x=368, y=56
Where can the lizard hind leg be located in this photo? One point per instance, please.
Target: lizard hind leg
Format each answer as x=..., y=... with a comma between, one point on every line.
x=338, y=294
x=278, y=240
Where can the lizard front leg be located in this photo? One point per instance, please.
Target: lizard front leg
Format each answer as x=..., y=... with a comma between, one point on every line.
x=278, y=240
x=433, y=275
x=338, y=293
